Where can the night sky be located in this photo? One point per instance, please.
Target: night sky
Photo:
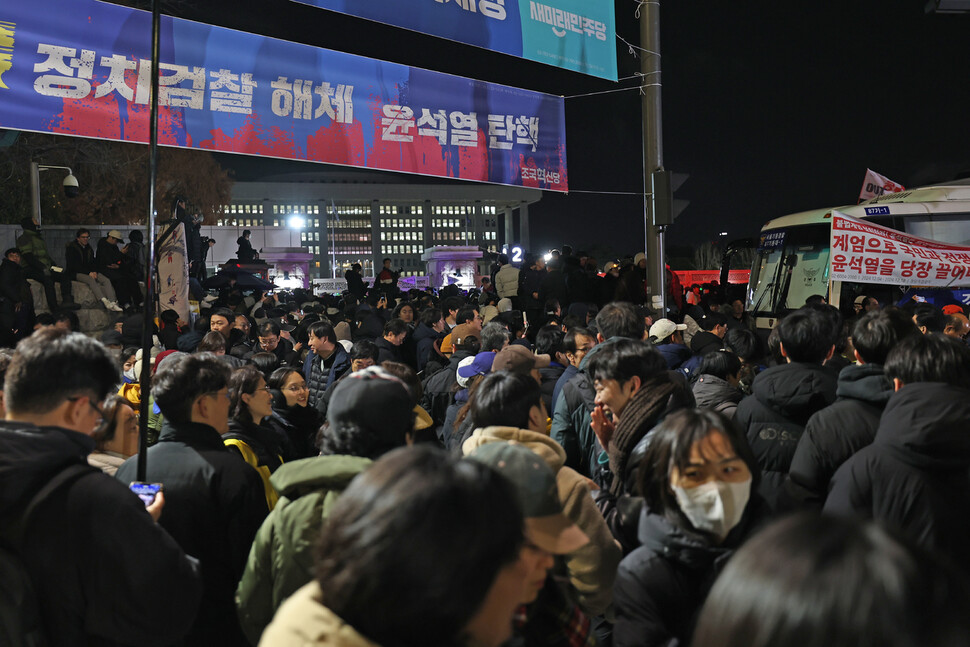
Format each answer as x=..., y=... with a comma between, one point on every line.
x=770, y=108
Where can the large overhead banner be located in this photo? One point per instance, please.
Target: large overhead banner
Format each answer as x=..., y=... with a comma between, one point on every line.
x=864, y=252
x=82, y=67
x=578, y=35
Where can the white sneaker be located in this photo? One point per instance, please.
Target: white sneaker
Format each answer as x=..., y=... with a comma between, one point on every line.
x=111, y=305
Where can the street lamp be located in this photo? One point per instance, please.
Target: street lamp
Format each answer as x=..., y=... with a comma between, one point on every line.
x=296, y=221
x=70, y=185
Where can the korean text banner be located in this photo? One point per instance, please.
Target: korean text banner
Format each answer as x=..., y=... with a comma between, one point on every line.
x=82, y=67
x=864, y=252
x=578, y=35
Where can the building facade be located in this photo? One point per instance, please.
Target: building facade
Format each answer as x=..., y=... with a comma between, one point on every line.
x=352, y=217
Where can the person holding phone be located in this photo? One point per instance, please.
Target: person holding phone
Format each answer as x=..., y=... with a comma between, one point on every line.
x=111, y=263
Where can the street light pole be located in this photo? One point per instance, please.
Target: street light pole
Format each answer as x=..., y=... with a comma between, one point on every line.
x=35, y=169
x=656, y=213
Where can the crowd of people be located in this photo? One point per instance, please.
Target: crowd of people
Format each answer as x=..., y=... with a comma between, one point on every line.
x=545, y=461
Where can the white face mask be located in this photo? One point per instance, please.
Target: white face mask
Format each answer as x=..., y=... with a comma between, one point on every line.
x=716, y=506
x=130, y=374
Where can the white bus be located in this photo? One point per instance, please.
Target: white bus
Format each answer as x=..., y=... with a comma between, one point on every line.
x=792, y=258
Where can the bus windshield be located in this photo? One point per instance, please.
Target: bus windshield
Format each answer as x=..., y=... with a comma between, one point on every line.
x=790, y=265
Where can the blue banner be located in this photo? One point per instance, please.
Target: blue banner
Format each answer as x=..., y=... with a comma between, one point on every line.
x=578, y=35
x=82, y=67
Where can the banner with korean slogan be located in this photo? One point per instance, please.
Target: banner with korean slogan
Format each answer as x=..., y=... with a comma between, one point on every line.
x=82, y=68
x=863, y=252
x=874, y=185
x=578, y=35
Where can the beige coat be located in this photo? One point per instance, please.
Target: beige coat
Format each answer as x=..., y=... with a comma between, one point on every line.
x=304, y=621
x=592, y=568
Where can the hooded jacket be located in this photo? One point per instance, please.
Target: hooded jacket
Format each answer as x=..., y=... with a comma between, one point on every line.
x=674, y=354
x=915, y=476
x=711, y=392
x=86, y=546
x=282, y=556
x=32, y=247
x=592, y=568
x=783, y=398
x=303, y=621
x=838, y=431
x=661, y=586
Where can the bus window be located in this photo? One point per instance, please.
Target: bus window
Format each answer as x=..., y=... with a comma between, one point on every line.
x=791, y=265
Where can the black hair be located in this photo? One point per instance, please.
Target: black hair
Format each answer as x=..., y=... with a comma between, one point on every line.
x=549, y=341
x=395, y=327
x=181, y=380
x=504, y=399
x=833, y=582
x=322, y=330
x=407, y=375
x=744, y=343
x=70, y=318
x=806, y=335
x=53, y=365
x=569, y=339
x=720, y=363
x=243, y=380
x=44, y=319
x=12, y=250
x=226, y=313
x=278, y=378
x=430, y=316
x=80, y=232
x=451, y=303
x=268, y=328
x=466, y=314
x=365, y=349
x=459, y=517
x=401, y=306
x=211, y=342
x=712, y=319
x=670, y=447
x=622, y=359
x=929, y=316
x=932, y=357
x=620, y=319
x=494, y=336
x=876, y=333
x=265, y=363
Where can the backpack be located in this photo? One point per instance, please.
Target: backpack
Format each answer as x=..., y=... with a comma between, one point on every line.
x=20, y=621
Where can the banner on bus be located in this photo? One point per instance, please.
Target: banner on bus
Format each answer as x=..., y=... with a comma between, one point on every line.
x=863, y=252
x=875, y=185
x=83, y=68
x=578, y=35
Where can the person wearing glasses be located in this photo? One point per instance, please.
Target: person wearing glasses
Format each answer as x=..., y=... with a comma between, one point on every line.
x=215, y=502
x=83, y=268
x=251, y=402
x=291, y=413
x=268, y=340
x=97, y=560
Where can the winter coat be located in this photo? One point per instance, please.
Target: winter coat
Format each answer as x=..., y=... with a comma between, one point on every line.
x=79, y=259
x=13, y=283
x=783, y=398
x=570, y=420
x=304, y=621
x=661, y=586
x=507, y=281
x=838, y=431
x=704, y=342
x=531, y=283
x=282, y=555
x=299, y=424
x=592, y=568
x=214, y=504
x=318, y=377
x=245, y=253
x=549, y=377
x=915, y=476
x=554, y=287
x=674, y=354
x=33, y=249
x=425, y=337
x=713, y=393
x=388, y=352
x=260, y=447
x=439, y=390
x=450, y=437
x=85, y=548
x=561, y=382
x=109, y=254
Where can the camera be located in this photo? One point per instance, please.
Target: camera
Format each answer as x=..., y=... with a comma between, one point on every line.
x=70, y=186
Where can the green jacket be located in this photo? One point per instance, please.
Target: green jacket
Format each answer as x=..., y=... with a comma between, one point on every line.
x=34, y=250
x=281, y=558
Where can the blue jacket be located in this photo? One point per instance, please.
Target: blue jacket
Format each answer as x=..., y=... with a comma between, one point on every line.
x=674, y=354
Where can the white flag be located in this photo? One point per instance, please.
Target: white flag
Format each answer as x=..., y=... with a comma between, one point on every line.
x=875, y=185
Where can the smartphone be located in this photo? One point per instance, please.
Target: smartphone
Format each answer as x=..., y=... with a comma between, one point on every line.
x=145, y=491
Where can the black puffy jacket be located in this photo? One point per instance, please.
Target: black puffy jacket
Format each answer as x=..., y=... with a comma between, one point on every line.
x=915, y=476
x=782, y=400
x=838, y=431
x=661, y=586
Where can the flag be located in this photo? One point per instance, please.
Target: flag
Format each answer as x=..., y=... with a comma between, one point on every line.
x=875, y=185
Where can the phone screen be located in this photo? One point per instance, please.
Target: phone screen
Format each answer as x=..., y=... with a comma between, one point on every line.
x=145, y=491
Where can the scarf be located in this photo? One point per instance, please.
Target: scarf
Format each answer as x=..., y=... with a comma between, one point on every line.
x=639, y=416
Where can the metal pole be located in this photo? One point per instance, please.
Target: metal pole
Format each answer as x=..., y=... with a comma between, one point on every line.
x=149, y=314
x=650, y=106
x=35, y=191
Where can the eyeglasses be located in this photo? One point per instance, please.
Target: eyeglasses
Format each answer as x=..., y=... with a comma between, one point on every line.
x=216, y=394
x=98, y=410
